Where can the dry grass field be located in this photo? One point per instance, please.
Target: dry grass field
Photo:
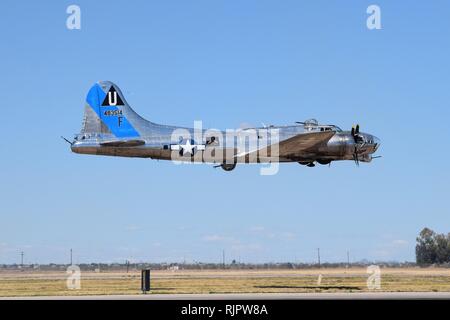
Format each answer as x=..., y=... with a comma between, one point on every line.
x=39, y=283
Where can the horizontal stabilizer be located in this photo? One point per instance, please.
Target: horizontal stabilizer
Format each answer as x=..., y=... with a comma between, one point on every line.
x=123, y=143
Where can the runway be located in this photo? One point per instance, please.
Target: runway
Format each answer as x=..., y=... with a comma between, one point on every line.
x=257, y=296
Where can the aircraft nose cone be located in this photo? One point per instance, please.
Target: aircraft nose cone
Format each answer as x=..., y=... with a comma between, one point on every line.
x=75, y=147
x=376, y=142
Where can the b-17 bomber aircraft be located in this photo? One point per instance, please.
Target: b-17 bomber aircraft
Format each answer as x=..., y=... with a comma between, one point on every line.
x=112, y=128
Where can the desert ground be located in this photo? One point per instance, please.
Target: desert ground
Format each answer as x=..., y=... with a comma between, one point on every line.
x=30, y=283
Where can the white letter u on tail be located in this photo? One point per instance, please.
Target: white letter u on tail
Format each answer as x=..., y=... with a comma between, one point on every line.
x=112, y=103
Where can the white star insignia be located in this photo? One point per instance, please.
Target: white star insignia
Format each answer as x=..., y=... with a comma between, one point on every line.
x=187, y=147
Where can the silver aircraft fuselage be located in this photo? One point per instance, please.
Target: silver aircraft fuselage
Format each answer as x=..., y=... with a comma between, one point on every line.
x=112, y=128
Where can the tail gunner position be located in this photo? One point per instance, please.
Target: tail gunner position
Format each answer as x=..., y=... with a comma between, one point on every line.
x=112, y=128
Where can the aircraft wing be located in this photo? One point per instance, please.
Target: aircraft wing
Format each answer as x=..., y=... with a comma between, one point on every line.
x=122, y=143
x=303, y=142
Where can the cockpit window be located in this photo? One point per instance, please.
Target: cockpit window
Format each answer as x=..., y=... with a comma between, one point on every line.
x=313, y=125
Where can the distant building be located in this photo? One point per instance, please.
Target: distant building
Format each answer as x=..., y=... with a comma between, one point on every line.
x=173, y=268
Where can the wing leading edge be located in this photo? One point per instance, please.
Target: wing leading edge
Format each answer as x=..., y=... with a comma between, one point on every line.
x=303, y=142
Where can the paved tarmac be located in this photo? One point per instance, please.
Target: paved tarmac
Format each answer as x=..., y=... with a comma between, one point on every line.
x=256, y=296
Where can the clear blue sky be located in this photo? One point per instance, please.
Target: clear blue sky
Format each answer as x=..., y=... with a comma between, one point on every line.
x=226, y=63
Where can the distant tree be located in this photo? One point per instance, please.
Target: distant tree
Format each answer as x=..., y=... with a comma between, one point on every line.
x=432, y=247
x=426, y=247
x=442, y=248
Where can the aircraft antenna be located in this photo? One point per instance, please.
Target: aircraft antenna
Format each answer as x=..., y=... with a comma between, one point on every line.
x=67, y=140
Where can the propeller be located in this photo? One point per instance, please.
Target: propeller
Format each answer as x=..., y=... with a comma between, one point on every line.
x=355, y=133
x=358, y=144
x=355, y=156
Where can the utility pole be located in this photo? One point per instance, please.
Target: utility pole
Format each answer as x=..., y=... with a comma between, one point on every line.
x=128, y=265
x=71, y=261
x=318, y=256
x=21, y=259
x=223, y=258
x=348, y=259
